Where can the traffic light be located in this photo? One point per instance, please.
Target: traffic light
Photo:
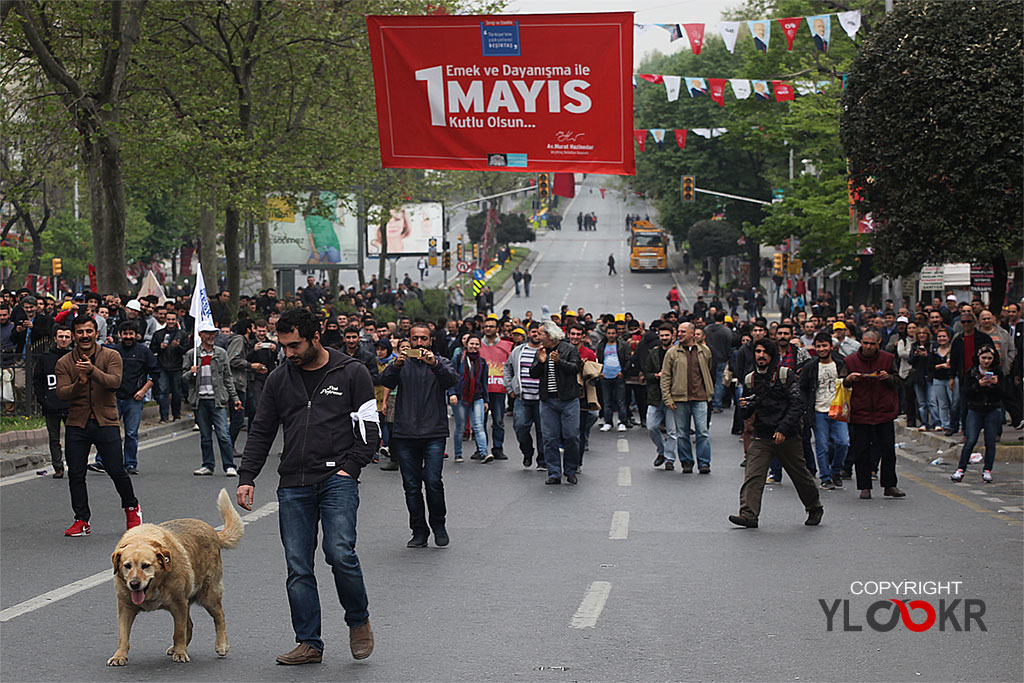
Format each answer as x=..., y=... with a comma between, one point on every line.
x=543, y=185
x=777, y=267
x=459, y=252
x=476, y=251
x=57, y=267
x=446, y=260
x=688, y=188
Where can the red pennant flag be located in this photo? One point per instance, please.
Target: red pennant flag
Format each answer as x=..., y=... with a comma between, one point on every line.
x=681, y=137
x=783, y=91
x=564, y=185
x=641, y=137
x=716, y=88
x=789, y=27
x=602, y=192
x=695, y=32
x=92, y=277
x=652, y=78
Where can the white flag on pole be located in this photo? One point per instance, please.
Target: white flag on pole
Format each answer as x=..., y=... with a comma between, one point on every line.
x=200, y=308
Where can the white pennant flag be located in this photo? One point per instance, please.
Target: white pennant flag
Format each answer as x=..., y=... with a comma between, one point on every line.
x=730, y=30
x=200, y=305
x=644, y=28
x=703, y=132
x=672, y=87
x=850, y=21
x=740, y=88
x=804, y=87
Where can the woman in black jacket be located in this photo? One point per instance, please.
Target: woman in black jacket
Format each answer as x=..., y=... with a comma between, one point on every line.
x=983, y=392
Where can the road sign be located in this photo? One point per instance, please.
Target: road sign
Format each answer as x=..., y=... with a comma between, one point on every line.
x=478, y=274
x=432, y=242
x=463, y=267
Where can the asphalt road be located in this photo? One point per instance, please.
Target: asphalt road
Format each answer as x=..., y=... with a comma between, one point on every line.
x=634, y=575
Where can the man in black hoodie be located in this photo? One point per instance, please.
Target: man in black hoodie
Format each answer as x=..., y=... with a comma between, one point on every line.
x=324, y=401
x=55, y=411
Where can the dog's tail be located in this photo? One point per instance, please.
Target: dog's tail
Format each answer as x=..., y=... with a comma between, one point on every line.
x=233, y=527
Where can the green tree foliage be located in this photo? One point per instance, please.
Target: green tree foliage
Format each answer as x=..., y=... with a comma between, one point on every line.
x=714, y=240
x=512, y=227
x=932, y=127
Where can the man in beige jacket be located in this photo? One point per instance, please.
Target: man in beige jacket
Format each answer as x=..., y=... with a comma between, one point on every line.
x=686, y=388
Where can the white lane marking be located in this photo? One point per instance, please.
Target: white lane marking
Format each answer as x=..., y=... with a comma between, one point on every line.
x=593, y=603
x=58, y=594
x=25, y=476
x=625, y=476
x=1010, y=508
x=994, y=499
x=620, y=526
x=623, y=446
x=977, y=493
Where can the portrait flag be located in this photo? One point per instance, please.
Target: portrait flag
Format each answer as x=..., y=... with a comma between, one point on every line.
x=790, y=27
x=821, y=28
x=672, y=87
x=729, y=31
x=740, y=88
x=641, y=137
x=761, y=31
x=716, y=88
x=674, y=31
x=695, y=32
x=695, y=86
x=783, y=91
x=850, y=21
x=659, y=136
x=760, y=90
x=680, y=137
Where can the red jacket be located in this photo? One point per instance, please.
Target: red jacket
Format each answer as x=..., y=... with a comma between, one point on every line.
x=873, y=401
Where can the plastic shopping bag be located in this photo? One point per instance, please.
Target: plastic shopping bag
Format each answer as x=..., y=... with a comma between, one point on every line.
x=839, y=410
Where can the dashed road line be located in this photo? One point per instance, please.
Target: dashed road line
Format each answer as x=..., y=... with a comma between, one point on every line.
x=625, y=476
x=593, y=603
x=623, y=446
x=966, y=502
x=994, y=499
x=620, y=526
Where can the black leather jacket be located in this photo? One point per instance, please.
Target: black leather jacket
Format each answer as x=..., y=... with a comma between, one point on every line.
x=567, y=370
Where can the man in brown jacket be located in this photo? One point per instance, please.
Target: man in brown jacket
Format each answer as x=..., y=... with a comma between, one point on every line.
x=88, y=379
x=686, y=388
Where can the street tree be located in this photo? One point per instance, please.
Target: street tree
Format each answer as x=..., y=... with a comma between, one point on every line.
x=714, y=240
x=932, y=130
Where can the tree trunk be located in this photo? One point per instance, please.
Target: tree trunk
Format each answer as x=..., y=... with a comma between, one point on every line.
x=266, y=257
x=208, y=246
x=111, y=276
x=383, y=259
x=332, y=276
x=999, y=277
x=862, y=287
x=231, y=250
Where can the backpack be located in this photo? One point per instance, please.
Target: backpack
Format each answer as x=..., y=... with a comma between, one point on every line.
x=782, y=375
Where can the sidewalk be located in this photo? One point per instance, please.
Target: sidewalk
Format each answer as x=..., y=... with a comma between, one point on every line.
x=22, y=451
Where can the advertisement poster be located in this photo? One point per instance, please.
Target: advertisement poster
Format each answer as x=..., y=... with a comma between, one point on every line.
x=326, y=235
x=409, y=230
x=523, y=93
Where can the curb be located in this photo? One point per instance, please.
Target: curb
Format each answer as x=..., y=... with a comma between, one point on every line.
x=949, y=446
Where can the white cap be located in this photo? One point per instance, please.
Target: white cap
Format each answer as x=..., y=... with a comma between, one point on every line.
x=133, y=305
x=903, y=319
x=951, y=297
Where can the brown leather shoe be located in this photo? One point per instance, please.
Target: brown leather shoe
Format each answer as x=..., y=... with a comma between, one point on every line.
x=865, y=494
x=360, y=639
x=302, y=654
x=893, y=491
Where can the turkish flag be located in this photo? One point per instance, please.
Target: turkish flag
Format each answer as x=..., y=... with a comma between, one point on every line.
x=716, y=88
x=681, y=137
x=652, y=78
x=783, y=91
x=789, y=27
x=641, y=137
x=695, y=32
x=564, y=185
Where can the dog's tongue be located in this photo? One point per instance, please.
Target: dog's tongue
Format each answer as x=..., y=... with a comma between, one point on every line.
x=138, y=597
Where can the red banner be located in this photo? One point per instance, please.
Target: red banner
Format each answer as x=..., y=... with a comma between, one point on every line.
x=695, y=32
x=681, y=137
x=641, y=137
x=783, y=91
x=92, y=277
x=789, y=27
x=564, y=185
x=716, y=88
x=520, y=93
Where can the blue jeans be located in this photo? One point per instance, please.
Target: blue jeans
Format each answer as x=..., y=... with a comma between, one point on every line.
x=613, y=397
x=588, y=418
x=130, y=411
x=944, y=400
x=333, y=502
x=421, y=461
x=476, y=421
x=236, y=418
x=925, y=411
x=560, y=423
x=496, y=402
x=169, y=394
x=977, y=420
x=211, y=419
x=656, y=416
x=720, y=388
x=526, y=414
x=678, y=420
x=830, y=435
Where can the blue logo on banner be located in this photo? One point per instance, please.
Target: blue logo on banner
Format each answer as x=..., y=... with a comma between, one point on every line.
x=516, y=160
x=500, y=41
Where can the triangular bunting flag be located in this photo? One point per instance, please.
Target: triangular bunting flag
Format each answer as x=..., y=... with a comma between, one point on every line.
x=740, y=88
x=760, y=90
x=790, y=27
x=644, y=28
x=641, y=137
x=850, y=21
x=659, y=136
x=729, y=30
x=681, y=137
x=703, y=132
x=651, y=78
x=804, y=87
x=672, y=87
x=634, y=81
x=695, y=86
x=716, y=87
x=674, y=31
x=761, y=30
x=821, y=29
x=783, y=91
x=695, y=32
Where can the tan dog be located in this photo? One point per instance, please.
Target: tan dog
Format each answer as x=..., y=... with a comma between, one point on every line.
x=169, y=566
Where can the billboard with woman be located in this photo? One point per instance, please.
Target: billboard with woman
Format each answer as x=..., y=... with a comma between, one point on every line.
x=409, y=230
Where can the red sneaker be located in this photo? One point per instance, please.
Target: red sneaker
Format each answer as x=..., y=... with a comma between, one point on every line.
x=79, y=528
x=133, y=516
